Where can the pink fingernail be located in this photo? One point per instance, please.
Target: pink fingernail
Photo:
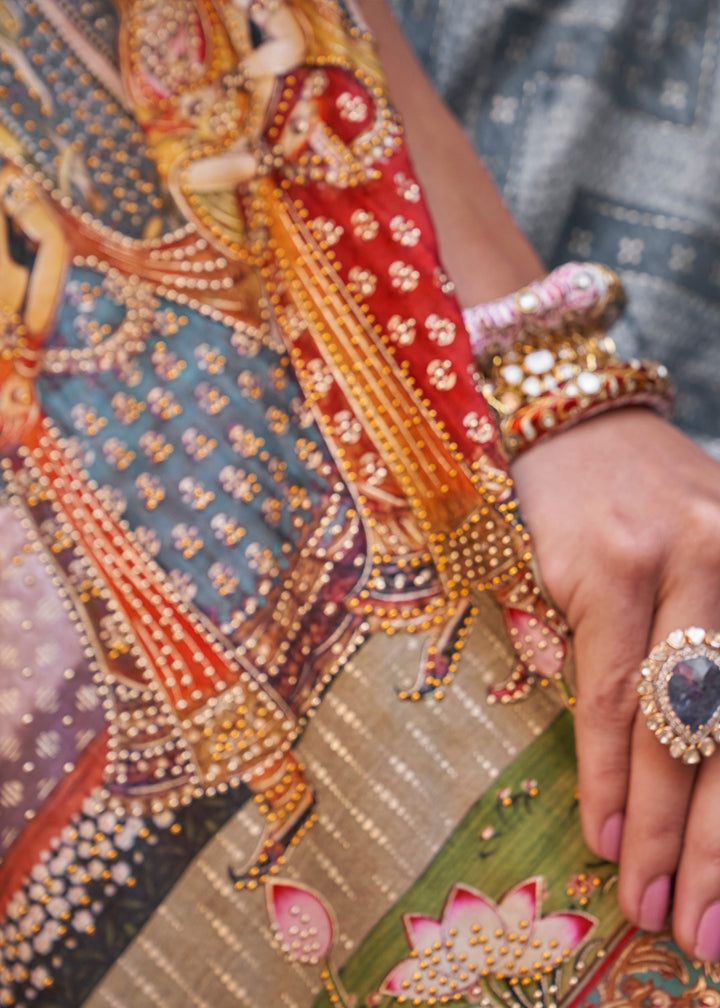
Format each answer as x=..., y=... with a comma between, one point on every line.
x=707, y=939
x=655, y=904
x=611, y=837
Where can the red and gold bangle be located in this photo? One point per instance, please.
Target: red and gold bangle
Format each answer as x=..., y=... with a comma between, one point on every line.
x=546, y=364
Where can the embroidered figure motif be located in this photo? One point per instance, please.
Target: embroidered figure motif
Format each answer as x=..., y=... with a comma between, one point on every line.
x=232, y=417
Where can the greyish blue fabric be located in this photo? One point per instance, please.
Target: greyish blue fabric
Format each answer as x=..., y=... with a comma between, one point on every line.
x=599, y=122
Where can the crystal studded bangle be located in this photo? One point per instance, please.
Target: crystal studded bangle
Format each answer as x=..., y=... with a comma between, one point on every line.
x=546, y=362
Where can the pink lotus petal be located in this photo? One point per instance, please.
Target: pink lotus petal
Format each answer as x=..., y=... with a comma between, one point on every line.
x=552, y=940
x=400, y=980
x=418, y=978
x=301, y=920
x=521, y=905
x=476, y=937
x=468, y=917
x=463, y=904
x=421, y=932
x=567, y=928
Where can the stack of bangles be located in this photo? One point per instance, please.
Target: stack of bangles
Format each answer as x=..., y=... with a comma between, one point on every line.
x=546, y=361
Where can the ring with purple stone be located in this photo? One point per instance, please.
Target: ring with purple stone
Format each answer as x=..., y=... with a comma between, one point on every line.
x=680, y=693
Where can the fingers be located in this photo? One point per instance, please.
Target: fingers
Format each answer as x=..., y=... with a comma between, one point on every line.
x=696, y=918
x=658, y=816
x=659, y=797
x=629, y=548
x=673, y=811
x=610, y=643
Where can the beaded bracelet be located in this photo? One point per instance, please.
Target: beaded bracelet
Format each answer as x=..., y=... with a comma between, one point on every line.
x=545, y=359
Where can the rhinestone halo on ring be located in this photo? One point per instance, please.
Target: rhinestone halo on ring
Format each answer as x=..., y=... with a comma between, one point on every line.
x=679, y=692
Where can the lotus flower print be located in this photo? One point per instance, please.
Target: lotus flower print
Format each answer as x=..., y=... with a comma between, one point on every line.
x=476, y=940
x=301, y=920
x=304, y=928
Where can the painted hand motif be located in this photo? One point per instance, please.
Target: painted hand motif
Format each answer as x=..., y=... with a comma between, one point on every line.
x=19, y=409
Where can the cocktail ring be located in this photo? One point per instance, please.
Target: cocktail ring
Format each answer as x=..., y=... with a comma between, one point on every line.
x=680, y=692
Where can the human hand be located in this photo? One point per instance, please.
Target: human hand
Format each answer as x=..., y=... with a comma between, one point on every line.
x=19, y=408
x=624, y=511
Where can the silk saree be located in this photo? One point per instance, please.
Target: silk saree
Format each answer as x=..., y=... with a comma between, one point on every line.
x=255, y=520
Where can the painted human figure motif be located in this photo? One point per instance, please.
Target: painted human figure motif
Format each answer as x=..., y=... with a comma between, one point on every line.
x=327, y=182
x=175, y=686
x=300, y=218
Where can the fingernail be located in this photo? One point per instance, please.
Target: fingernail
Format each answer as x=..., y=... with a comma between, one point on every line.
x=655, y=904
x=611, y=837
x=707, y=939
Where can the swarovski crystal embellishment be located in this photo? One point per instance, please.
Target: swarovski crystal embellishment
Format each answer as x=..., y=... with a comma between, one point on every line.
x=528, y=301
x=539, y=361
x=588, y=382
x=694, y=691
x=581, y=281
x=679, y=693
x=696, y=635
x=513, y=374
x=531, y=386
